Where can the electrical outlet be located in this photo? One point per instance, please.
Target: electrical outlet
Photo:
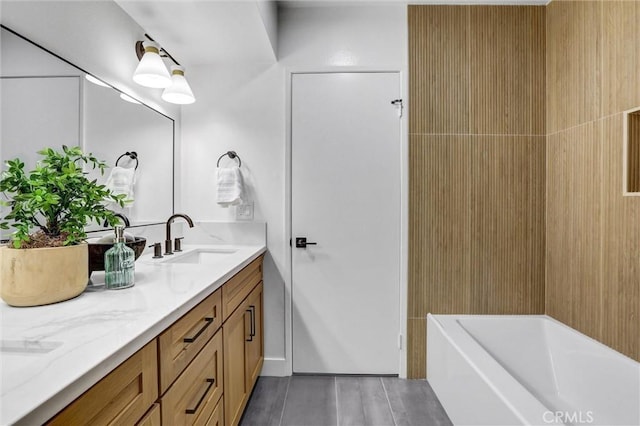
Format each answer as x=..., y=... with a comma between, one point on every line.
x=244, y=211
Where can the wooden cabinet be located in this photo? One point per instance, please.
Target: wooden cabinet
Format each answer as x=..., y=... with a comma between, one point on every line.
x=243, y=354
x=254, y=352
x=199, y=371
x=179, y=344
x=152, y=418
x=194, y=396
x=122, y=397
x=236, y=290
x=217, y=417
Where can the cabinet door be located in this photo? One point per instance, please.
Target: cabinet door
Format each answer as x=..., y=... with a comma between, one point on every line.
x=254, y=351
x=235, y=331
x=192, y=398
x=121, y=397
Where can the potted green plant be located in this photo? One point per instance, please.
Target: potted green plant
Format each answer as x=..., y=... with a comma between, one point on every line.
x=46, y=259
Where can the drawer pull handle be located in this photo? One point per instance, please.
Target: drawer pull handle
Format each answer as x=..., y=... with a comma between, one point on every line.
x=208, y=321
x=252, y=332
x=253, y=320
x=193, y=410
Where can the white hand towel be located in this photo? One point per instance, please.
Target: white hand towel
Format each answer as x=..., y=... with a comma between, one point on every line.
x=121, y=181
x=230, y=186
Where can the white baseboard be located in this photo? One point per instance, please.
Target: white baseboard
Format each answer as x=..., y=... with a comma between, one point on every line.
x=276, y=367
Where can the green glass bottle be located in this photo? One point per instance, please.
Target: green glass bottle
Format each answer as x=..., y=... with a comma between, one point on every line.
x=119, y=263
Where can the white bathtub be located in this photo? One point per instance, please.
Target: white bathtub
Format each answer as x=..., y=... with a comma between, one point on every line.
x=528, y=370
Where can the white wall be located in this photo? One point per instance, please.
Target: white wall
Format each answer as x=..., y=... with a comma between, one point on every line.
x=244, y=108
x=343, y=36
x=269, y=13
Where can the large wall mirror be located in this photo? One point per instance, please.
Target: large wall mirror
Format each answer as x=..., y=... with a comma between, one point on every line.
x=48, y=102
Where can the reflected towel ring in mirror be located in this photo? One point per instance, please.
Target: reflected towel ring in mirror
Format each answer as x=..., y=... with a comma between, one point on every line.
x=132, y=155
x=232, y=155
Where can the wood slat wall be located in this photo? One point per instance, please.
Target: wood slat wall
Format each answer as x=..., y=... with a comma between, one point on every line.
x=477, y=168
x=513, y=107
x=593, y=231
x=574, y=235
x=439, y=70
x=574, y=66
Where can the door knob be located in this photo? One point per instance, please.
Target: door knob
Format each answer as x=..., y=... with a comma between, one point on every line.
x=301, y=242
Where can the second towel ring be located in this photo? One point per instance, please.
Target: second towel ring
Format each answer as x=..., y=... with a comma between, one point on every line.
x=133, y=155
x=232, y=155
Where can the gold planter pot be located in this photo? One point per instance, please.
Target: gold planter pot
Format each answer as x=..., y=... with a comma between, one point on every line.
x=33, y=277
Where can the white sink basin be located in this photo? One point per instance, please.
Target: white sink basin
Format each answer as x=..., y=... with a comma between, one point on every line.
x=201, y=256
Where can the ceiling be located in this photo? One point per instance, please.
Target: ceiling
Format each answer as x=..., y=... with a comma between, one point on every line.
x=200, y=32
x=215, y=32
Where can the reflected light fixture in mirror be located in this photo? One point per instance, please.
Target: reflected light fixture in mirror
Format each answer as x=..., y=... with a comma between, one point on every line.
x=179, y=92
x=128, y=98
x=151, y=71
x=94, y=80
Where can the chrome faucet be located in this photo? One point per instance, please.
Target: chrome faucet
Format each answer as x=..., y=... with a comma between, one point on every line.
x=167, y=242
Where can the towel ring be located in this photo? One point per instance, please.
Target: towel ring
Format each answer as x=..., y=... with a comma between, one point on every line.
x=133, y=155
x=232, y=155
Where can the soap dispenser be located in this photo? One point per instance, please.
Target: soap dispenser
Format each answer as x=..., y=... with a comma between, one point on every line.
x=119, y=263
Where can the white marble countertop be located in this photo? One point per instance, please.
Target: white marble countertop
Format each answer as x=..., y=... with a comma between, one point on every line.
x=52, y=354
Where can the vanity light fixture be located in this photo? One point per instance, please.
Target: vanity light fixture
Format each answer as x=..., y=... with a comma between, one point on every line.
x=179, y=92
x=152, y=72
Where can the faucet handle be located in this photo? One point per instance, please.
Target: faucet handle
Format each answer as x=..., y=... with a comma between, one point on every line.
x=157, y=250
x=177, y=244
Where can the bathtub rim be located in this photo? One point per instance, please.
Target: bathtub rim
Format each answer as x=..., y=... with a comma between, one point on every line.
x=515, y=397
x=617, y=354
x=452, y=329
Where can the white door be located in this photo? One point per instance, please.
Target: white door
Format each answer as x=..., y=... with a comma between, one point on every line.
x=346, y=199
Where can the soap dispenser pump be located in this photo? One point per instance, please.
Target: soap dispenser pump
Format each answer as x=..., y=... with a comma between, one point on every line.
x=119, y=263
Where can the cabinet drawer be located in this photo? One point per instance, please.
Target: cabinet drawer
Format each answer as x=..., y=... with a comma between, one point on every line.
x=212, y=416
x=195, y=394
x=217, y=417
x=238, y=288
x=181, y=342
x=122, y=397
x=152, y=418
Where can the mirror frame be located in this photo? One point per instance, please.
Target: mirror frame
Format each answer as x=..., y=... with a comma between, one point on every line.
x=173, y=126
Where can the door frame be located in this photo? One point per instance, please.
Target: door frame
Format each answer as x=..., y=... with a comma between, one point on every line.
x=404, y=209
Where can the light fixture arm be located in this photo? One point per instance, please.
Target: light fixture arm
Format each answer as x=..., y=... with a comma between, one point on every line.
x=164, y=53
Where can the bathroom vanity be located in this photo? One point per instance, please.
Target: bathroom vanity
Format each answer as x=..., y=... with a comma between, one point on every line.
x=183, y=346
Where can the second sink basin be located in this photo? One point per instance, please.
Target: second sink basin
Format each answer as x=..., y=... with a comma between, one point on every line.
x=201, y=256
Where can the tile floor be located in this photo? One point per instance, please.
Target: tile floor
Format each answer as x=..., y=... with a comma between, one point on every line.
x=342, y=401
